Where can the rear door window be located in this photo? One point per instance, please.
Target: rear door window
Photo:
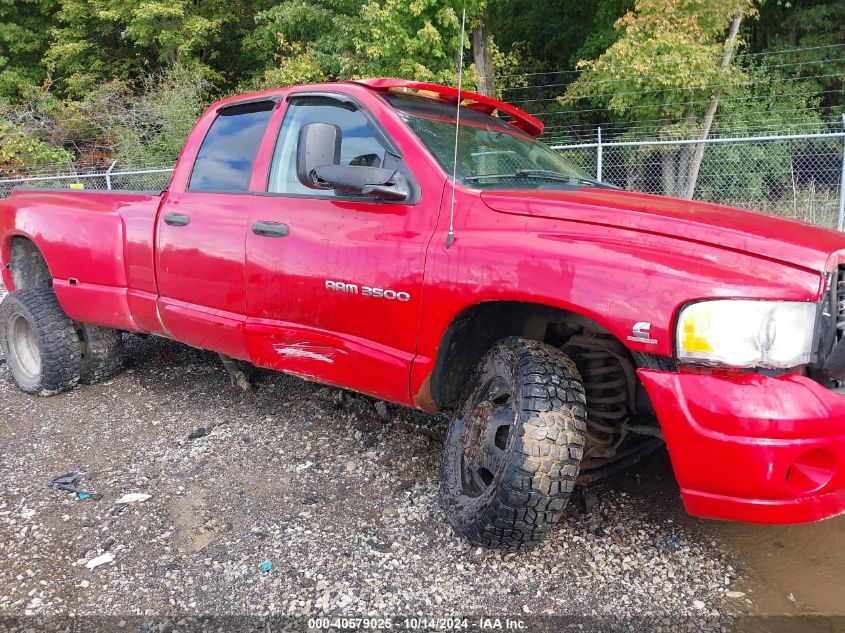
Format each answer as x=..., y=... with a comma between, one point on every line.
x=227, y=154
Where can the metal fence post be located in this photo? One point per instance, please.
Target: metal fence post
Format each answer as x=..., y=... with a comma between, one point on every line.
x=842, y=184
x=598, y=156
x=108, y=174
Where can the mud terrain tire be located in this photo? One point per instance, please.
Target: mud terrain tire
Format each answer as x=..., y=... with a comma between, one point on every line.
x=102, y=353
x=514, y=445
x=39, y=342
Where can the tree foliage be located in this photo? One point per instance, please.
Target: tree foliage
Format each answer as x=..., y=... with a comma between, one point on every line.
x=556, y=35
x=96, y=40
x=666, y=62
x=153, y=129
x=125, y=78
x=418, y=43
x=19, y=150
x=143, y=123
x=24, y=37
x=300, y=41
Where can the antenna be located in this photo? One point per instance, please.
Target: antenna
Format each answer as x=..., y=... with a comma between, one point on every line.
x=450, y=237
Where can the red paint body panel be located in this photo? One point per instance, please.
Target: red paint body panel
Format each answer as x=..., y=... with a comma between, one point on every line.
x=328, y=357
x=101, y=240
x=203, y=263
x=343, y=242
x=784, y=240
x=200, y=270
x=608, y=274
x=737, y=445
x=105, y=305
x=750, y=447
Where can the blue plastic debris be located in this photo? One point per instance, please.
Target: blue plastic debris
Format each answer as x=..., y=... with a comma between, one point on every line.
x=266, y=567
x=673, y=543
x=68, y=483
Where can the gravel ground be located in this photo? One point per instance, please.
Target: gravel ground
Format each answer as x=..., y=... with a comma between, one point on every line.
x=337, y=492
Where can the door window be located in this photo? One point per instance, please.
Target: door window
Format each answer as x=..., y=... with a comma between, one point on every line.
x=359, y=145
x=227, y=154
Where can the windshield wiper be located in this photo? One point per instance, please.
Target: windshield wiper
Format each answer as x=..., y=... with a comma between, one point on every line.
x=545, y=174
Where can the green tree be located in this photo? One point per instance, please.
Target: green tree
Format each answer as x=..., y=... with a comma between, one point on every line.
x=668, y=55
x=416, y=40
x=300, y=41
x=146, y=124
x=102, y=77
x=24, y=36
x=326, y=40
x=137, y=123
x=671, y=64
x=20, y=151
x=126, y=39
x=818, y=25
x=556, y=34
x=422, y=39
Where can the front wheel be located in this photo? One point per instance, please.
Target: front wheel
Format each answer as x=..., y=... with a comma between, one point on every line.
x=514, y=445
x=39, y=342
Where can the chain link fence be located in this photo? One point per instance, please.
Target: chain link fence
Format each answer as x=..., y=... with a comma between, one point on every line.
x=136, y=179
x=797, y=176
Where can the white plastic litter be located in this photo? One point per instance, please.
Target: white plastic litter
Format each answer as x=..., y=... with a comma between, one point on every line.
x=102, y=559
x=132, y=497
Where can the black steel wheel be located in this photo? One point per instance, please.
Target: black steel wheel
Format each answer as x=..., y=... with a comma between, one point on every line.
x=514, y=445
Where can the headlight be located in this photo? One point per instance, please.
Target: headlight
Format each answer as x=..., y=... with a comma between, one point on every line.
x=744, y=333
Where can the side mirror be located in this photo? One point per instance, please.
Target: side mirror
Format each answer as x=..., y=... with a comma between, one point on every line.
x=387, y=184
x=318, y=145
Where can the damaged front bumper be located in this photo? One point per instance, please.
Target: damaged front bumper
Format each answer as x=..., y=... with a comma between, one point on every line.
x=753, y=448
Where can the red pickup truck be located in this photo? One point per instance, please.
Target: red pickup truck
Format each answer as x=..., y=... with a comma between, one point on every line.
x=569, y=326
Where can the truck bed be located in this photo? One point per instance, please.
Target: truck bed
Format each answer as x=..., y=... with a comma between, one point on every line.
x=99, y=245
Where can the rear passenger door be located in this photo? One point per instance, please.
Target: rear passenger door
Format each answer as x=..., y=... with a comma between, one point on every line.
x=201, y=231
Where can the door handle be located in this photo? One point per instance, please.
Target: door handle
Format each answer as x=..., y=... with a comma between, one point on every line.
x=270, y=229
x=177, y=219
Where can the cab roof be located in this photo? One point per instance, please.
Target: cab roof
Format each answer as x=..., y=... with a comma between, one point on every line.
x=516, y=117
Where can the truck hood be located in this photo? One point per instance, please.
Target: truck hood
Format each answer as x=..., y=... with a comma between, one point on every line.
x=749, y=232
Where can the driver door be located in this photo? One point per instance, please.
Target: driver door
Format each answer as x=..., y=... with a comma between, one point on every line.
x=335, y=295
